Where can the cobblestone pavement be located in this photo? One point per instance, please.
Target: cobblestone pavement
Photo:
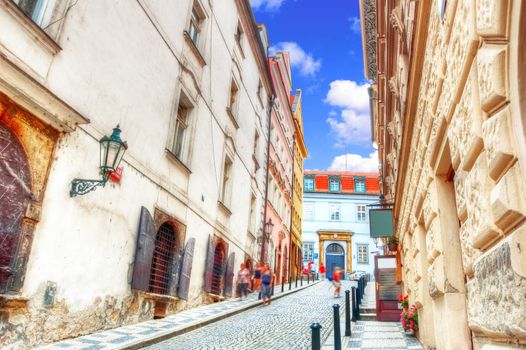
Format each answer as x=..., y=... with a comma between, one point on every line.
x=367, y=335
x=285, y=324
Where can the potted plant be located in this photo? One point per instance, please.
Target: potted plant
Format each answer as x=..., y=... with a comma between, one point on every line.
x=392, y=244
x=409, y=316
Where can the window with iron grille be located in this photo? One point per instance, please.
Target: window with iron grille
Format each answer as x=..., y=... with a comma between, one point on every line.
x=162, y=259
x=218, y=270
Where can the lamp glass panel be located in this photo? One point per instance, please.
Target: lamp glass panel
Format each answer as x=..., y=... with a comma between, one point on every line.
x=113, y=152
x=120, y=154
x=103, y=154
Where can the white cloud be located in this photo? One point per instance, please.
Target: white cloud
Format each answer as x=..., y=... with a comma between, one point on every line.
x=355, y=162
x=304, y=61
x=355, y=24
x=354, y=125
x=267, y=5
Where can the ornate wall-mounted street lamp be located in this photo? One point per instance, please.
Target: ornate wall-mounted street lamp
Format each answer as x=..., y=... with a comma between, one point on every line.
x=112, y=150
x=267, y=231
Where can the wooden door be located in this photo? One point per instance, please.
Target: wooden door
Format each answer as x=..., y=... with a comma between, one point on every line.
x=387, y=289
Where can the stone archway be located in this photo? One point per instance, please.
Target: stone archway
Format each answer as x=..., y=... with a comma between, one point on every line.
x=15, y=193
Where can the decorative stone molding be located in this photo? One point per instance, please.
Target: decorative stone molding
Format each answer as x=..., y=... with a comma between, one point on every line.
x=460, y=195
x=491, y=64
x=508, y=204
x=498, y=143
x=492, y=18
x=369, y=18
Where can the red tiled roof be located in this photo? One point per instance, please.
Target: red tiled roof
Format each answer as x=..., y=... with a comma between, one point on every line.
x=321, y=182
x=341, y=173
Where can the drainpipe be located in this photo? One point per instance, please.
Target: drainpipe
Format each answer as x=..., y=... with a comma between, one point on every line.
x=265, y=240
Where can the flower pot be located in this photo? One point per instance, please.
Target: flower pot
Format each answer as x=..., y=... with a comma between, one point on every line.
x=393, y=247
x=410, y=332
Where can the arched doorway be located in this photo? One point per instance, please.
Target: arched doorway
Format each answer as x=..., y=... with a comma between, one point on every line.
x=162, y=259
x=15, y=184
x=218, y=269
x=334, y=257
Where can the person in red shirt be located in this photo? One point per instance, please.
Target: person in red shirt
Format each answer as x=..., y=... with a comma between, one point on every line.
x=322, y=271
x=336, y=281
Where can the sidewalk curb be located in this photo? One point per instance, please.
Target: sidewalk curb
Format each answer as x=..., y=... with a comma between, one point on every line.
x=198, y=324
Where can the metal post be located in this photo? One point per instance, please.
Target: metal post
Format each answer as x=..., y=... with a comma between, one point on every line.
x=290, y=282
x=308, y=278
x=296, y=281
x=282, y=283
x=301, y=280
x=272, y=292
x=355, y=314
x=316, y=336
x=337, y=334
x=347, y=314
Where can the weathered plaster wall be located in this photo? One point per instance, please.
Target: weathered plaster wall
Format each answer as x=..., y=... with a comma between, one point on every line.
x=127, y=64
x=463, y=140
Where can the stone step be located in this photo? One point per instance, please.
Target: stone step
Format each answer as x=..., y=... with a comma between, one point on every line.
x=367, y=316
x=367, y=310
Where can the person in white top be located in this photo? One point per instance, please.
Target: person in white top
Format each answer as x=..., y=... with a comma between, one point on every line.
x=243, y=279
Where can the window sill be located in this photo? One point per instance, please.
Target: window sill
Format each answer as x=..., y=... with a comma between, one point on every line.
x=224, y=208
x=31, y=27
x=159, y=297
x=232, y=117
x=177, y=161
x=194, y=49
x=256, y=163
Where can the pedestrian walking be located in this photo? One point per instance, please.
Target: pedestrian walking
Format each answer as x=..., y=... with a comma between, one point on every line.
x=243, y=279
x=336, y=281
x=266, y=284
x=256, y=280
x=322, y=271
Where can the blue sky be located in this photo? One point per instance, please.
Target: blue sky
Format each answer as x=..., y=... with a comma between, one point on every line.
x=324, y=41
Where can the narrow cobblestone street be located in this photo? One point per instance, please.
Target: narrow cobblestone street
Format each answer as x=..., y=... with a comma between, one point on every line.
x=285, y=324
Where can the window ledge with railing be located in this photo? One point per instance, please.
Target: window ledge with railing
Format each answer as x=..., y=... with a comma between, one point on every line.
x=194, y=48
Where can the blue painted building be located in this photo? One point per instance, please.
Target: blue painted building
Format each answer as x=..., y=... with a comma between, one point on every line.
x=336, y=220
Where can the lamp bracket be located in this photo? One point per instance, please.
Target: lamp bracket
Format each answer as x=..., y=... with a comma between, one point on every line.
x=83, y=186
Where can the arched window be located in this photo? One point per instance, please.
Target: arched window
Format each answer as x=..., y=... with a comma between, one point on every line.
x=217, y=272
x=163, y=255
x=335, y=249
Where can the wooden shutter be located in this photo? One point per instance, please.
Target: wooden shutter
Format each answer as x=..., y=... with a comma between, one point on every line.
x=186, y=270
x=209, y=266
x=229, y=275
x=144, y=252
x=175, y=272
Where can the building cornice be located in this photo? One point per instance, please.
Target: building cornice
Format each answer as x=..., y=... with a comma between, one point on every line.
x=368, y=26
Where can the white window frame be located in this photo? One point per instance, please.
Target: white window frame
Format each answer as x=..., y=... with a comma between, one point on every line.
x=359, y=189
x=308, y=208
x=307, y=188
x=336, y=182
x=307, y=251
x=182, y=124
x=335, y=211
x=196, y=22
x=225, y=196
x=360, y=254
x=41, y=13
x=361, y=215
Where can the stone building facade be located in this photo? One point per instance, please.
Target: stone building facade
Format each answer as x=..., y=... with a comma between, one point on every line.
x=449, y=118
x=300, y=153
x=188, y=84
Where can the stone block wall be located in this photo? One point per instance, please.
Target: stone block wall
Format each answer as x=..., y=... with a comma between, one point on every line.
x=463, y=208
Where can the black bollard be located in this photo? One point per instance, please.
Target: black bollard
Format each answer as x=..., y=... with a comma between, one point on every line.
x=282, y=284
x=301, y=280
x=337, y=334
x=316, y=336
x=308, y=277
x=259, y=295
x=347, y=314
x=272, y=292
x=296, y=281
x=355, y=313
x=290, y=282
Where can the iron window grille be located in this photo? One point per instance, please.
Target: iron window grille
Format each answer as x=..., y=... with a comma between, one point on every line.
x=162, y=259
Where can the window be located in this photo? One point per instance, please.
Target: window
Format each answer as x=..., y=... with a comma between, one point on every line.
x=227, y=182
x=308, y=211
x=35, y=9
x=361, y=214
x=178, y=146
x=334, y=184
x=195, y=25
x=260, y=92
x=252, y=215
x=359, y=184
x=363, y=256
x=232, y=102
x=334, y=210
x=308, y=184
x=255, y=152
x=239, y=38
x=162, y=259
x=308, y=251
